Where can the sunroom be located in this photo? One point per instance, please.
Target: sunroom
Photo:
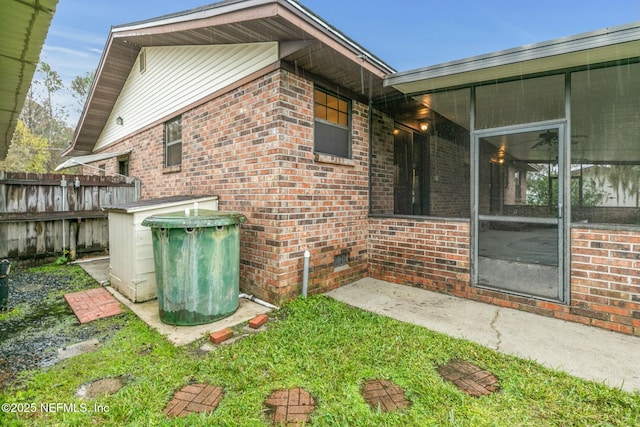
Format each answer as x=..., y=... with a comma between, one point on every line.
x=531, y=156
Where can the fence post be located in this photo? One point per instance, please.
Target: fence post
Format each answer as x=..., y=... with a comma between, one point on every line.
x=73, y=240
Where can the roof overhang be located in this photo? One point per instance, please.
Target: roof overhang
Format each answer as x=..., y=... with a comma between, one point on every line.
x=23, y=28
x=85, y=160
x=610, y=44
x=307, y=43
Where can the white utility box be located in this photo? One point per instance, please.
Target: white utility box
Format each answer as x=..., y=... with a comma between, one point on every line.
x=131, y=265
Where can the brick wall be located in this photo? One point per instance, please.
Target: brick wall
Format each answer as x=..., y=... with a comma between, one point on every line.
x=382, y=167
x=431, y=254
x=449, y=177
x=324, y=201
x=605, y=279
x=253, y=147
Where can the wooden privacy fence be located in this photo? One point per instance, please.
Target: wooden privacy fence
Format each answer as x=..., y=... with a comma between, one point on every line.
x=44, y=215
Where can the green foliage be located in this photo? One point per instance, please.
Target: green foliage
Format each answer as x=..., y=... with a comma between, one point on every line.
x=27, y=152
x=62, y=259
x=80, y=87
x=46, y=121
x=592, y=194
x=542, y=190
x=538, y=191
x=15, y=312
x=625, y=181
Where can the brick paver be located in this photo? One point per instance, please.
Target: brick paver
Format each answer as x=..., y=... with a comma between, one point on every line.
x=290, y=407
x=220, y=336
x=93, y=304
x=258, y=321
x=469, y=378
x=384, y=394
x=194, y=398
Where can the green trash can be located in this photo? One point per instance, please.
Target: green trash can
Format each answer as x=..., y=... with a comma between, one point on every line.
x=5, y=266
x=197, y=261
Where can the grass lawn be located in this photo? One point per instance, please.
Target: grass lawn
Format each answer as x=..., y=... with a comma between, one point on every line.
x=329, y=349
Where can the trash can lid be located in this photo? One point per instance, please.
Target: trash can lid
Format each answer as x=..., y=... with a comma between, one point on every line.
x=194, y=219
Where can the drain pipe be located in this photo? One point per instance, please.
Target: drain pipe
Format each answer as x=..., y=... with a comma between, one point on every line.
x=63, y=184
x=258, y=301
x=305, y=273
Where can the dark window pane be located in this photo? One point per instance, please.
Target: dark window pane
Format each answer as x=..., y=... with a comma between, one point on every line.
x=331, y=139
x=173, y=142
x=123, y=167
x=331, y=131
x=174, y=154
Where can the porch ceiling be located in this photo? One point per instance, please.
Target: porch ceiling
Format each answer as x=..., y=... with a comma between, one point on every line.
x=609, y=44
x=620, y=124
x=307, y=42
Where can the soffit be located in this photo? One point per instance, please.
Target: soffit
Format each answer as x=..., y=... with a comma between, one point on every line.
x=320, y=50
x=23, y=28
x=611, y=44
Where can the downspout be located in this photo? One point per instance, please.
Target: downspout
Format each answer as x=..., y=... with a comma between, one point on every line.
x=305, y=273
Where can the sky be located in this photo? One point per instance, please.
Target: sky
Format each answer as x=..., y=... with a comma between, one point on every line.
x=406, y=34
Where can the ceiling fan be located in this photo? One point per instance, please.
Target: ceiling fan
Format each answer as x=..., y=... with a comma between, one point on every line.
x=549, y=139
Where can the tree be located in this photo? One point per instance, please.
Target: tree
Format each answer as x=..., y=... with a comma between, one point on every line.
x=542, y=190
x=44, y=117
x=52, y=83
x=625, y=181
x=27, y=152
x=80, y=87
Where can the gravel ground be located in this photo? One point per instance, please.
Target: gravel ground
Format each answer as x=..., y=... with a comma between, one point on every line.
x=38, y=321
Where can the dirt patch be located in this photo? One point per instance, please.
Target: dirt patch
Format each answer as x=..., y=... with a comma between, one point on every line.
x=101, y=387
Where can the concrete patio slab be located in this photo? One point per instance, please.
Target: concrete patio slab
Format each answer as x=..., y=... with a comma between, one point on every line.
x=583, y=351
x=182, y=335
x=150, y=314
x=78, y=348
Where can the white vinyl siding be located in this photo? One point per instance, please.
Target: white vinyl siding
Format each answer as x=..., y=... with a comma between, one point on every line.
x=177, y=76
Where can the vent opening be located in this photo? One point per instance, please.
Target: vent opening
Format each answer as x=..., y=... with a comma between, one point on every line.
x=341, y=260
